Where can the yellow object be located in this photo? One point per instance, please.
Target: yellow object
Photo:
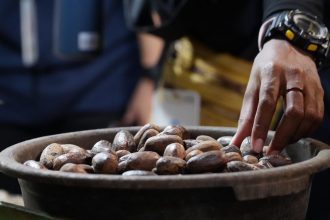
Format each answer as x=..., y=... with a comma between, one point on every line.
x=312, y=47
x=289, y=34
x=220, y=79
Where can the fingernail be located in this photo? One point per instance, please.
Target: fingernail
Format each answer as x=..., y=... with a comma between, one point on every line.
x=258, y=145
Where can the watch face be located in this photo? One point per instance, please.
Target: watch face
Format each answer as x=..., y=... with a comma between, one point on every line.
x=309, y=26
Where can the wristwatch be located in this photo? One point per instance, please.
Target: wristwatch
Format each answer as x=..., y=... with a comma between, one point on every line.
x=302, y=30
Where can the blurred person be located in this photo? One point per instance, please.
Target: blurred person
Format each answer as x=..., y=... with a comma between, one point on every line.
x=284, y=66
x=43, y=92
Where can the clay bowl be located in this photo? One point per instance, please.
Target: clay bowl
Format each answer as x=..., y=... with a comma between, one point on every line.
x=277, y=193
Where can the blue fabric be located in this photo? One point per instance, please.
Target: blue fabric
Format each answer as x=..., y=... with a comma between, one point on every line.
x=54, y=87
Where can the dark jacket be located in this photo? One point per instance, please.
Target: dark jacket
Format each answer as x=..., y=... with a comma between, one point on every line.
x=55, y=87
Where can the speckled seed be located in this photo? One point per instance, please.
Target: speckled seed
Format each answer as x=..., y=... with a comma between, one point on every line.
x=237, y=166
x=123, y=158
x=277, y=160
x=188, y=143
x=224, y=140
x=205, y=146
x=139, y=173
x=77, y=168
x=50, y=153
x=168, y=165
x=70, y=148
x=34, y=164
x=145, y=160
x=192, y=154
x=159, y=143
x=264, y=164
x=102, y=146
x=146, y=135
x=124, y=141
x=71, y=157
x=175, y=150
x=211, y=161
x=176, y=130
x=105, y=163
x=121, y=153
x=233, y=156
x=144, y=128
x=204, y=138
x=250, y=159
x=246, y=148
x=231, y=148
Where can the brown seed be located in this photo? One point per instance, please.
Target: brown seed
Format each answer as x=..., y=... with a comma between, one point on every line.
x=211, y=161
x=188, y=143
x=138, y=173
x=246, y=148
x=204, y=138
x=105, y=163
x=264, y=164
x=175, y=150
x=77, y=168
x=124, y=141
x=146, y=127
x=277, y=160
x=205, y=146
x=145, y=160
x=121, y=153
x=146, y=135
x=224, y=140
x=250, y=159
x=168, y=165
x=231, y=148
x=159, y=143
x=176, y=130
x=102, y=146
x=123, y=158
x=237, y=166
x=192, y=154
x=71, y=157
x=34, y=164
x=68, y=148
x=50, y=153
x=233, y=156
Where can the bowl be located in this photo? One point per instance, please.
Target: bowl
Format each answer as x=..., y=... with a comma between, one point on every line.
x=277, y=193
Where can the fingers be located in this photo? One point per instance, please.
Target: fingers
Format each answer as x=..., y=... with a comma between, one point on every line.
x=247, y=114
x=291, y=120
x=268, y=96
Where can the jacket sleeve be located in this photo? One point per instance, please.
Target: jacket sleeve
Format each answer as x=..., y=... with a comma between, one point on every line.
x=315, y=7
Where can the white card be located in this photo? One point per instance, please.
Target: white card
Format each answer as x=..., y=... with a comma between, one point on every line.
x=175, y=106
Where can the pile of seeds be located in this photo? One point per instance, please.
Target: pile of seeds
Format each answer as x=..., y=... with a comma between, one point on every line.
x=152, y=151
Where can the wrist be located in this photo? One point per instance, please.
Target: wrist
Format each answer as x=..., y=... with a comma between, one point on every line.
x=300, y=29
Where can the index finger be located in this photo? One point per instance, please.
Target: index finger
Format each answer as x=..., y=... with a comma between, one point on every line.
x=268, y=97
x=247, y=114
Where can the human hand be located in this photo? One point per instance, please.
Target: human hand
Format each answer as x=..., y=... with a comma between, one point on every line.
x=280, y=70
x=139, y=108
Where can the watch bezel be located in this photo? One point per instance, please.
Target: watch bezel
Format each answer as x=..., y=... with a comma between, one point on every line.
x=290, y=21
